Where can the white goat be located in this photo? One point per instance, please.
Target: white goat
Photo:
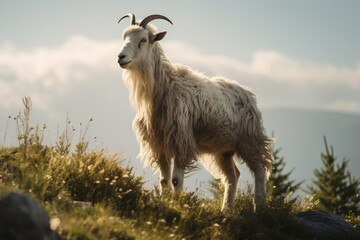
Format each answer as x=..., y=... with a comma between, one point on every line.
x=184, y=116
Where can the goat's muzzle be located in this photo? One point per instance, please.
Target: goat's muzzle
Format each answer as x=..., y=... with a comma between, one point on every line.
x=123, y=61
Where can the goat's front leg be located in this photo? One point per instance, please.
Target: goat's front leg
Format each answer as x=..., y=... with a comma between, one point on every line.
x=178, y=175
x=165, y=173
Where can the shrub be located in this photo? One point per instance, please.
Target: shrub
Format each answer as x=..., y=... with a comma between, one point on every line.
x=52, y=172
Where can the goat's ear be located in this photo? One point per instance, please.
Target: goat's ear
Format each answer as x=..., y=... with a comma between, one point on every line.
x=158, y=36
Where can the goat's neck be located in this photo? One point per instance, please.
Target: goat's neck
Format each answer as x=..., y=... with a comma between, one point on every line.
x=161, y=73
x=147, y=85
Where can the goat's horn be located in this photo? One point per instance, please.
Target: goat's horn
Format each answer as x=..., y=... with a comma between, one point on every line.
x=129, y=15
x=148, y=19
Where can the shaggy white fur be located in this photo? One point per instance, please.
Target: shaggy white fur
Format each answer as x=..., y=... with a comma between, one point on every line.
x=184, y=116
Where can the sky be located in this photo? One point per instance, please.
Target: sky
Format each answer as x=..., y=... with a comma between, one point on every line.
x=62, y=54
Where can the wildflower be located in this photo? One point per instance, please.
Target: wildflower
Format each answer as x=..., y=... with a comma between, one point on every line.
x=186, y=206
x=97, y=182
x=216, y=225
x=125, y=176
x=148, y=223
x=48, y=177
x=107, y=179
x=54, y=223
x=128, y=191
x=162, y=221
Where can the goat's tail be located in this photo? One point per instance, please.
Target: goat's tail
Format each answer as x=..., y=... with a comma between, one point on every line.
x=256, y=148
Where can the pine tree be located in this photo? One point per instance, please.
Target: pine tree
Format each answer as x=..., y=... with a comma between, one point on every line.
x=336, y=190
x=279, y=184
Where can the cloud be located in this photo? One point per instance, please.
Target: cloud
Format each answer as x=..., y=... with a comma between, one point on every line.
x=49, y=73
x=280, y=80
x=271, y=65
x=346, y=106
x=44, y=72
x=278, y=67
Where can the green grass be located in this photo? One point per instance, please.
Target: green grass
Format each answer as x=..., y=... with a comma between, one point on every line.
x=121, y=208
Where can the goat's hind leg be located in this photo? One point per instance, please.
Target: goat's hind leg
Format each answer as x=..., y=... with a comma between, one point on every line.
x=258, y=167
x=178, y=175
x=230, y=177
x=260, y=186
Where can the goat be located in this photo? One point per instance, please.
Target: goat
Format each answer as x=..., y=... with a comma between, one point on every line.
x=184, y=116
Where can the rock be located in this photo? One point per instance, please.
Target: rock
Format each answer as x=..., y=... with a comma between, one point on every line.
x=326, y=225
x=22, y=217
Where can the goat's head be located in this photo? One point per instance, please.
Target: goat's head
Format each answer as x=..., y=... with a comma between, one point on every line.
x=138, y=41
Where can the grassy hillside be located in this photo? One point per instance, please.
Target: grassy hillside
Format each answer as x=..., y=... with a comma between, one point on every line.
x=89, y=194
x=121, y=208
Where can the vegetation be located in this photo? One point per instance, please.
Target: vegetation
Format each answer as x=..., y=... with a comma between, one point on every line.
x=90, y=195
x=280, y=186
x=336, y=190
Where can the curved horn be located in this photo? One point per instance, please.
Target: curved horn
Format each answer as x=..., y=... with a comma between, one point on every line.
x=148, y=19
x=129, y=15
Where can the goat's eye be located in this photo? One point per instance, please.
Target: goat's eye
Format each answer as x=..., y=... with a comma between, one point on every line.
x=144, y=40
